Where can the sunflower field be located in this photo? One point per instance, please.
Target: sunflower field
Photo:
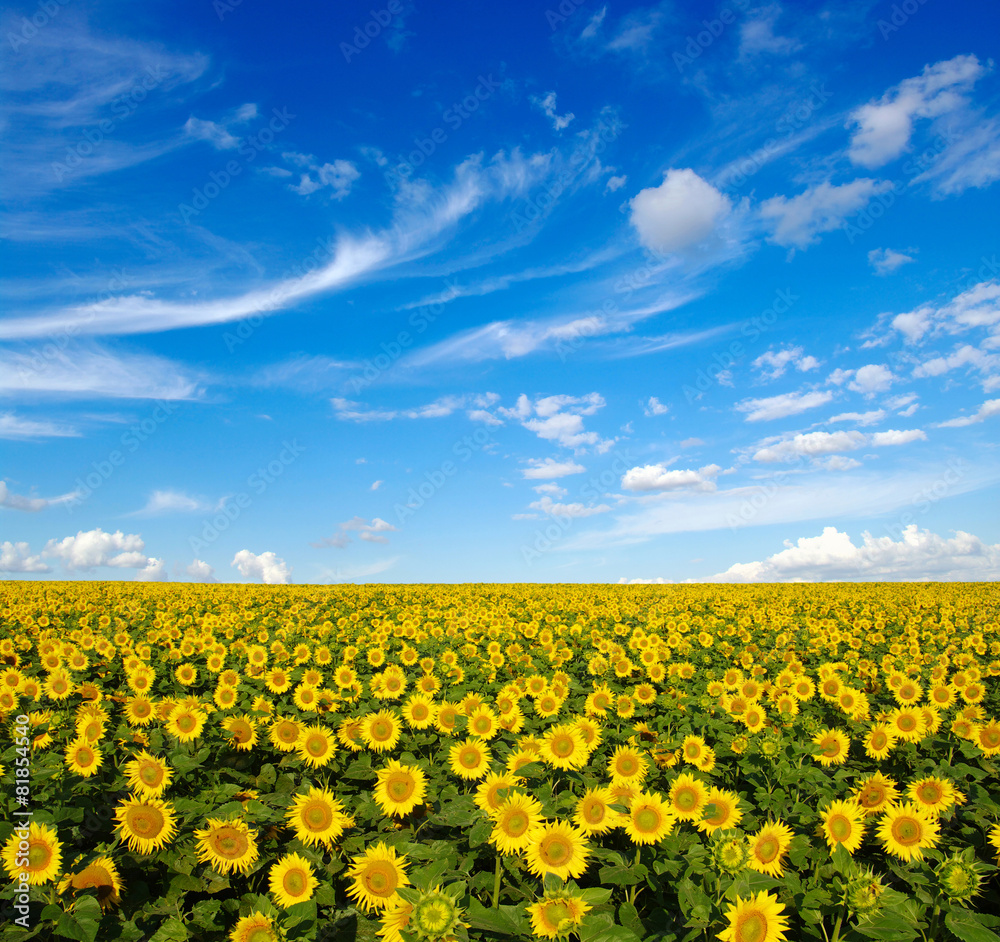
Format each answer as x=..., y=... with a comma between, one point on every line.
x=402, y=763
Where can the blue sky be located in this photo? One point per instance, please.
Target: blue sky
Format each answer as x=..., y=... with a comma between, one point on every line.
x=500, y=293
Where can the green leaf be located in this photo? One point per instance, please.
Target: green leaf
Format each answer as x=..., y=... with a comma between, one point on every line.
x=602, y=928
x=480, y=832
x=968, y=928
x=504, y=920
x=172, y=930
x=628, y=916
x=623, y=876
x=83, y=922
x=205, y=912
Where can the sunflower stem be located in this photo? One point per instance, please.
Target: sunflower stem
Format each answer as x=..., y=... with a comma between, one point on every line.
x=836, y=928
x=496, y=881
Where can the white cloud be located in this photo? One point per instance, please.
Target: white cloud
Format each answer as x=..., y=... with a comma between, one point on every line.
x=884, y=127
x=350, y=411
x=548, y=506
x=836, y=463
x=798, y=221
x=200, y=571
x=92, y=548
x=266, y=567
x=966, y=355
x=353, y=573
x=871, y=379
x=810, y=445
x=559, y=419
x=773, y=363
x=886, y=261
x=838, y=377
x=217, y=133
x=168, y=501
x=16, y=557
x=778, y=407
x=987, y=410
x=31, y=504
x=757, y=34
x=543, y=468
x=684, y=210
x=859, y=418
x=656, y=477
x=691, y=443
x=154, y=571
x=369, y=532
x=655, y=407
x=376, y=485
x=552, y=490
x=897, y=437
x=338, y=176
x=548, y=107
x=14, y=427
x=919, y=555
x=615, y=183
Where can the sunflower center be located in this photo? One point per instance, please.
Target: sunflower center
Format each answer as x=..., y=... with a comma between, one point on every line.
x=906, y=831
x=516, y=823
x=151, y=774
x=555, y=851
x=84, y=757
x=230, y=842
x=840, y=827
x=647, y=820
x=287, y=733
x=294, y=882
x=401, y=787
x=563, y=746
x=627, y=766
x=186, y=723
x=830, y=747
x=317, y=816
x=751, y=928
x=930, y=793
x=594, y=811
x=907, y=723
x=145, y=822
x=470, y=758
x=990, y=738
x=316, y=745
x=686, y=799
x=420, y=712
x=556, y=913
x=260, y=934
x=719, y=816
x=381, y=730
x=39, y=855
x=380, y=880
x=241, y=732
x=879, y=739
x=767, y=849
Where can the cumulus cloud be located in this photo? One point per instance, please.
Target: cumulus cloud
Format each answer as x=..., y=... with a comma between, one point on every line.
x=544, y=468
x=338, y=176
x=871, y=379
x=882, y=128
x=200, y=571
x=92, y=548
x=798, y=221
x=655, y=407
x=657, y=477
x=859, y=418
x=559, y=419
x=899, y=437
x=154, y=571
x=886, y=261
x=778, y=407
x=987, y=410
x=919, y=555
x=370, y=532
x=810, y=445
x=684, y=210
x=266, y=567
x=773, y=363
x=553, y=490
x=16, y=557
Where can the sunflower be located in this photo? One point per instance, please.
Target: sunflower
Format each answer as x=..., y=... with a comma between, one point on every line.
x=254, y=928
x=721, y=812
x=83, y=758
x=495, y=789
x=879, y=740
x=650, y=818
x=100, y=875
x=418, y=711
x=483, y=723
x=843, y=825
x=380, y=731
x=908, y=723
x=594, y=814
x=148, y=775
x=833, y=746
x=317, y=817
x=628, y=765
x=470, y=759
x=242, y=731
x=349, y=734
x=225, y=696
x=284, y=734
x=756, y=919
x=377, y=874
x=139, y=711
x=875, y=794
x=185, y=723
x=146, y=824
x=563, y=747
x=987, y=738
x=688, y=797
x=227, y=845
x=400, y=788
x=315, y=746
x=557, y=915
x=447, y=718
x=906, y=830
x=291, y=880
x=558, y=848
x=515, y=822
x=767, y=848
x=933, y=795
x=37, y=854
